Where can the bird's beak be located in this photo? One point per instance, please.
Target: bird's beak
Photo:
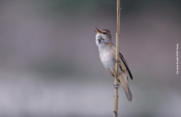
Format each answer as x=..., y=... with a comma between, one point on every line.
x=97, y=30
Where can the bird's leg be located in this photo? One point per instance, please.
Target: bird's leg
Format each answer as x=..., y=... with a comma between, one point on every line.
x=117, y=61
x=115, y=84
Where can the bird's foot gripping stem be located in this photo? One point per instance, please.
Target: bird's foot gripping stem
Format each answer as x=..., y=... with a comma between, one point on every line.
x=116, y=86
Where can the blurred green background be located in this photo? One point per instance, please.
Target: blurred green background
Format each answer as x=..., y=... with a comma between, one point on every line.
x=50, y=67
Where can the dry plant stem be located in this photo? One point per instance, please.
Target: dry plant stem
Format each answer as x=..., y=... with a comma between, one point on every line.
x=116, y=84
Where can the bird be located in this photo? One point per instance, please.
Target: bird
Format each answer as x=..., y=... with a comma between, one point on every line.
x=107, y=55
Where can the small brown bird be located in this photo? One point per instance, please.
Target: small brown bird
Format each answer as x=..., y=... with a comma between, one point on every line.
x=107, y=55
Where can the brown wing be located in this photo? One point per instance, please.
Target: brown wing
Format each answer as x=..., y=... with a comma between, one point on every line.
x=126, y=65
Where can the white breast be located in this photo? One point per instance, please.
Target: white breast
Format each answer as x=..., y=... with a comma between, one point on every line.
x=107, y=58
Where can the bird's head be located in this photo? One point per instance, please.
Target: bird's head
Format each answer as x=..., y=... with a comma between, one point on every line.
x=103, y=36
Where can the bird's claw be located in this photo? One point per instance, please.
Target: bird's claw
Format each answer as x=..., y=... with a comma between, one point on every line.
x=117, y=61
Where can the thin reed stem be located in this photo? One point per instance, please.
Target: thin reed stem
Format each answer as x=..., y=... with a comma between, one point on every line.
x=116, y=84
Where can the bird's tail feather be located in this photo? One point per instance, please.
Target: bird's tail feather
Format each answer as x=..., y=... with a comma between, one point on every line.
x=124, y=81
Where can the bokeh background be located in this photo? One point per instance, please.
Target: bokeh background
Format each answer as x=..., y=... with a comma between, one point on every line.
x=50, y=67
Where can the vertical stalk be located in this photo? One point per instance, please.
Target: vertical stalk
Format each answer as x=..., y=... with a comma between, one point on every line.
x=116, y=84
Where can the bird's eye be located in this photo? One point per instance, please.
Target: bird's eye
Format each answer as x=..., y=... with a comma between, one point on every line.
x=104, y=33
